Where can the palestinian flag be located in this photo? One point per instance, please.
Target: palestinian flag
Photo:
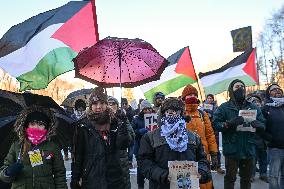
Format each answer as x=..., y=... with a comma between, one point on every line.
x=242, y=67
x=42, y=47
x=179, y=73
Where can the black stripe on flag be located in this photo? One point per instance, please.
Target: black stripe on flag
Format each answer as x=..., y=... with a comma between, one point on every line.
x=173, y=59
x=20, y=34
x=242, y=58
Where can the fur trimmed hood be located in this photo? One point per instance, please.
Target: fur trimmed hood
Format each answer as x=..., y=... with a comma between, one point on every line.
x=19, y=125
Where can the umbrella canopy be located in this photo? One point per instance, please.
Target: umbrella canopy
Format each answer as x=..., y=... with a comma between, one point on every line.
x=75, y=95
x=119, y=62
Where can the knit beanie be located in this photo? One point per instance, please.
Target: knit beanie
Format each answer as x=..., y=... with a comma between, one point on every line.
x=111, y=99
x=99, y=94
x=188, y=90
x=173, y=104
x=145, y=104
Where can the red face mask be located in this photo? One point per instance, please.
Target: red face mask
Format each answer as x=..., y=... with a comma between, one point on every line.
x=36, y=135
x=191, y=100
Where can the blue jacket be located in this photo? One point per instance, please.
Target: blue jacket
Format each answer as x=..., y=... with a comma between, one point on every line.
x=138, y=125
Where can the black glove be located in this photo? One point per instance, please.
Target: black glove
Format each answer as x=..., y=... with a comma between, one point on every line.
x=257, y=124
x=187, y=118
x=121, y=116
x=214, y=160
x=164, y=177
x=14, y=169
x=205, y=177
x=75, y=185
x=233, y=123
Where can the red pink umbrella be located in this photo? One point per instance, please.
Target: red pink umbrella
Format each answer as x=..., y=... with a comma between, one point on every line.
x=122, y=62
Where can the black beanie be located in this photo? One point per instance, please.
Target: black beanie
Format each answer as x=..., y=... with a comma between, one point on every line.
x=38, y=116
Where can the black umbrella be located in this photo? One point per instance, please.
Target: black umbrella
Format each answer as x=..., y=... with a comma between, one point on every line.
x=13, y=103
x=75, y=95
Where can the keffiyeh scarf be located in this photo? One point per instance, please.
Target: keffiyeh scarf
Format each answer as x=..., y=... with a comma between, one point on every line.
x=174, y=130
x=277, y=102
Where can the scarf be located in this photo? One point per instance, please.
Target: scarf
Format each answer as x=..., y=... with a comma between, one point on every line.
x=173, y=129
x=36, y=135
x=277, y=102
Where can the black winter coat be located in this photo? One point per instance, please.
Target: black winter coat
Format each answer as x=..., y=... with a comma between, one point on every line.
x=154, y=154
x=97, y=162
x=274, y=125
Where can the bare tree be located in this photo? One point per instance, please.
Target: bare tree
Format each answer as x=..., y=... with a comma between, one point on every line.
x=271, y=48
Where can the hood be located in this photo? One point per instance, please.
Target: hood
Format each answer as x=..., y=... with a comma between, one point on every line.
x=19, y=125
x=230, y=89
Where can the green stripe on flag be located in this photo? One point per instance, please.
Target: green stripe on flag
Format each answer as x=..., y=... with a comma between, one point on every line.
x=56, y=62
x=224, y=84
x=169, y=86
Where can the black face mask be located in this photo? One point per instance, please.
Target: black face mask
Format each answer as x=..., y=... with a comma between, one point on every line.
x=239, y=95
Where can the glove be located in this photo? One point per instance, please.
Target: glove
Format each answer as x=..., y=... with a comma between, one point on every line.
x=233, y=123
x=14, y=169
x=205, y=177
x=75, y=185
x=142, y=131
x=121, y=116
x=187, y=118
x=164, y=177
x=214, y=160
x=257, y=124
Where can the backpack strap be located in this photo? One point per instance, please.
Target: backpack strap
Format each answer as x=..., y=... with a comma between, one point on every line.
x=201, y=114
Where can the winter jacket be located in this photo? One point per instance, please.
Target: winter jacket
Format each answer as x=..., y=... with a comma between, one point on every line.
x=154, y=154
x=201, y=125
x=274, y=132
x=236, y=144
x=96, y=161
x=51, y=174
x=138, y=125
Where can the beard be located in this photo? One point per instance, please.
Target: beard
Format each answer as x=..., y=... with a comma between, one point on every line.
x=100, y=118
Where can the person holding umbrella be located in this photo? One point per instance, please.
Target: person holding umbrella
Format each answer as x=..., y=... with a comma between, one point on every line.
x=114, y=106
x=34, y=161
x=98, y=142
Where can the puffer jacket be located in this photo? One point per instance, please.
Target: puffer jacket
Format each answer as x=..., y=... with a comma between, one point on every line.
x=154, y=154
x=201, y=125
x=51, y=174
x=96, y=161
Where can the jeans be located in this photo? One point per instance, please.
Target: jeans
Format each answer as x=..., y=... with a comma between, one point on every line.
x=245, y=168
x=276, y=168
x=261, y=158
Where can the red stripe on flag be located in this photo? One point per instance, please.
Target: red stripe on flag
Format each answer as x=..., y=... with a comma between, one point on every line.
x=81, y=30
x=250, y=67
x=185, y=66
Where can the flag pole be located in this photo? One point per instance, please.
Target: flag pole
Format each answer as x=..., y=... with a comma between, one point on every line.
x=199, y=88
x=95, y=19
x=258, y=69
